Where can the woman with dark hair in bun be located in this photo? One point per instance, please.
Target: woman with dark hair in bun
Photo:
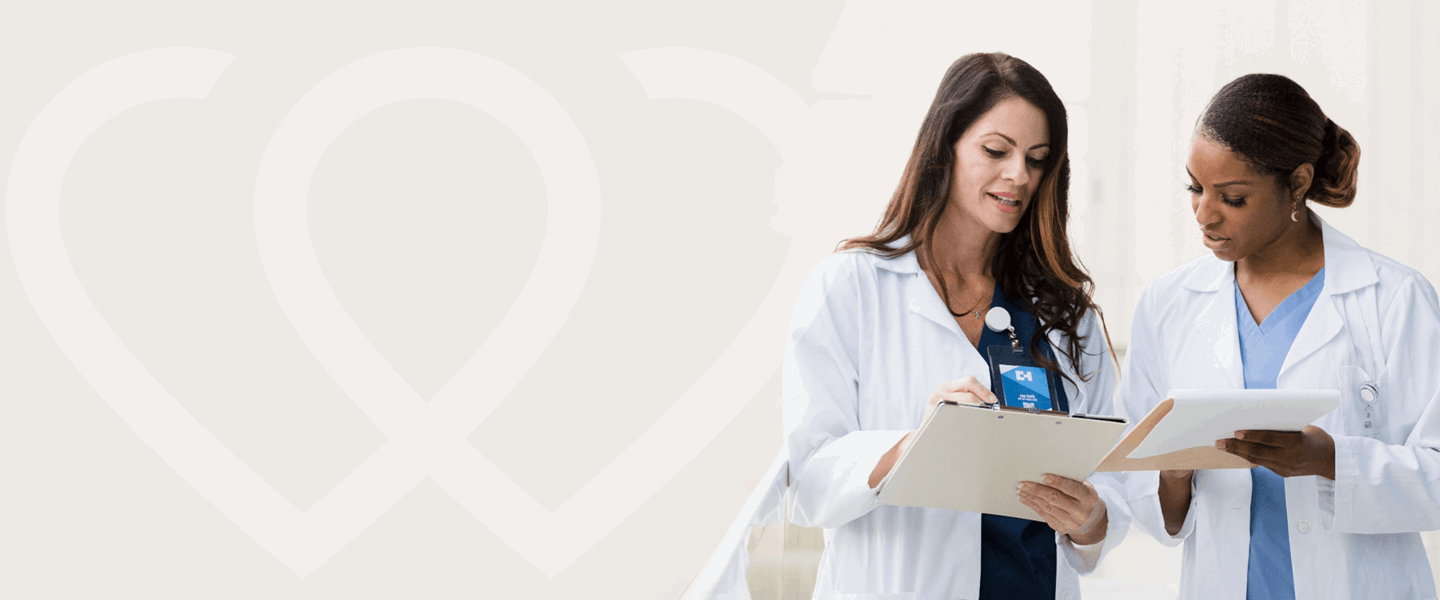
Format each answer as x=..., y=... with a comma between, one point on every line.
x=1287, y=301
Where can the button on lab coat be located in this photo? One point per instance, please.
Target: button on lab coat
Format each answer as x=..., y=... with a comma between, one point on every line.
x=1373, y=333
x=869, y=341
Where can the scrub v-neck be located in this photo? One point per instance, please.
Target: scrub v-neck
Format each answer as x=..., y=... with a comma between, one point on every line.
x=1263, y=348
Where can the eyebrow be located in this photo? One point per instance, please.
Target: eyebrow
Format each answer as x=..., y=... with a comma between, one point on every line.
x=1012, y=142
x=1220, y=185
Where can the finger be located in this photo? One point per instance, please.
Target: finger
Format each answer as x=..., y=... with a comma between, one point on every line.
x=959, y=385
x=1246, y=448
x=962, y=398
x=1075, y=489
x=1046, y=512
x=1264, y=456
x=1053, y=495
x=1059, y=520
x=972, y=385
x=1279, y=439
x=1039, y=510
x=1057, y=501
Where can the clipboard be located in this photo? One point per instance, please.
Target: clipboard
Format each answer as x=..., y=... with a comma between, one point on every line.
x=1208, y=413
x=971, y=458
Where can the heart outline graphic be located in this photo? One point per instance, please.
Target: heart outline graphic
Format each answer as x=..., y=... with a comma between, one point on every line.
x=425, y=438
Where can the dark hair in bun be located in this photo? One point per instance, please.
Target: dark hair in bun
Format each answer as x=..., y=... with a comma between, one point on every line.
x=1271, y=122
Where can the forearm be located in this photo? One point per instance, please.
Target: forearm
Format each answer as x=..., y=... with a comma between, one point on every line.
x=1175, y=500
x=887, y=462
x=830, y=484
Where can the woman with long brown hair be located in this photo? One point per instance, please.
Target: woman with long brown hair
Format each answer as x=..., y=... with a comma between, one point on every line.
x=894, y=323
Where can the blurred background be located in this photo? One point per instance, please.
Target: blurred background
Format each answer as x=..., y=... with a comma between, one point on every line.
x=732, y=146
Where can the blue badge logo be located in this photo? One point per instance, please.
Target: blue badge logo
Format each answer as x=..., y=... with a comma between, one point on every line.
x=1025, y=387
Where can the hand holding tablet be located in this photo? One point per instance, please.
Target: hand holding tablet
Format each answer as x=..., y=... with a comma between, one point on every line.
x=1181, y=432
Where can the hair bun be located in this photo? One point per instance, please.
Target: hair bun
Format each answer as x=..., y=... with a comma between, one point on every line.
x=1337, y=170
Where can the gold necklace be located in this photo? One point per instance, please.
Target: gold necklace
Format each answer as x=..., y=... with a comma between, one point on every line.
x=945, y=297
x=972, y=310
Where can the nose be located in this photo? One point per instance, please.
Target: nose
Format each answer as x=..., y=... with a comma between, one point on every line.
x=1207, y=210
x=1017, y=170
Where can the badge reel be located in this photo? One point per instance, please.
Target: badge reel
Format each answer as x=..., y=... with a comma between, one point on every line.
x=1017, y=380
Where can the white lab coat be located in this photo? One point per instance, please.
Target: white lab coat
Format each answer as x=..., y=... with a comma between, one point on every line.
x=1376, y=321
x=869, y=341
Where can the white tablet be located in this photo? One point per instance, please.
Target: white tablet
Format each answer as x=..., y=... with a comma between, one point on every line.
x=1203, y=417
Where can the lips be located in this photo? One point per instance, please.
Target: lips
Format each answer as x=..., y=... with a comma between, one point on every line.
x=1213, y=242
x=1006, y=201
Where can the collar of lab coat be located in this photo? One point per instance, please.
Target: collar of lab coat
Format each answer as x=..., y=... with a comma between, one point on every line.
x=1347, y=268
x=905, y=263
x=926, y=302
x=924, y=299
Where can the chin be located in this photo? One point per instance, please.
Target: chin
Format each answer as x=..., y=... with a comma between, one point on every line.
x=1226, y=255
x=1005, y=226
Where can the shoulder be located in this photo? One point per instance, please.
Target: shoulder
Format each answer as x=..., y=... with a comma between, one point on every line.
x=1398, y=284
x=1204, y=274
x=851, y=282
x=1391, y=273
x=835, y=286
x=1351, y=266
x=863, y=267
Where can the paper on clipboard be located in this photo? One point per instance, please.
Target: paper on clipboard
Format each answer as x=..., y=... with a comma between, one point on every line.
x=971, y=458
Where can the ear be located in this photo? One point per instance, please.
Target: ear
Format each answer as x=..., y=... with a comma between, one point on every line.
x=1300, y=180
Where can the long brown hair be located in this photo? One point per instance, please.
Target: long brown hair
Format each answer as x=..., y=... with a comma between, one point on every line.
x=1035, y=259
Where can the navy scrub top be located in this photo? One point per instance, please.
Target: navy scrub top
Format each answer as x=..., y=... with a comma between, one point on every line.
x=1017, y=556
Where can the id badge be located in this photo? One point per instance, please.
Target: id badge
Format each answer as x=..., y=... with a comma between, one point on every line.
x=1015, y=378
x=1021, y=383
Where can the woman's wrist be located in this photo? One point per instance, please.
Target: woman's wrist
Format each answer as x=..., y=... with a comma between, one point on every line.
x=887, y=461
x=1092, y=532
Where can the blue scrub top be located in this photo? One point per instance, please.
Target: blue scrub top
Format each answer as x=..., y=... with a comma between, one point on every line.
x=1017, y=556
x=1263, y=347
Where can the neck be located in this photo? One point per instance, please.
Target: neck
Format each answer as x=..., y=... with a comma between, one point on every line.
x=1298, y=251
x=962, y=249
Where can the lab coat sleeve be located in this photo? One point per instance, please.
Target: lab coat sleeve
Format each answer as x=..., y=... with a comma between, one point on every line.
x=1388, y=488
x=1099, y=399
x=1145, y=381
x=830, y=457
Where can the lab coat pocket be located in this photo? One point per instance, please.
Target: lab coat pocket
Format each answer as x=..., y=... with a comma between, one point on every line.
x=1360, y=402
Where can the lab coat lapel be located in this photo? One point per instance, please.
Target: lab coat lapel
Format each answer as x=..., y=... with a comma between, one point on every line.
x=926, y=302
x=1347, y=268
x=1319, y=328
x=1216, y=327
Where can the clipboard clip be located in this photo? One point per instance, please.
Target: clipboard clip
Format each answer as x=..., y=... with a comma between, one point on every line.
x=1001, y=407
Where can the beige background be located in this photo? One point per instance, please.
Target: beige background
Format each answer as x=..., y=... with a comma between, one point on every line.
x=426, y=217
